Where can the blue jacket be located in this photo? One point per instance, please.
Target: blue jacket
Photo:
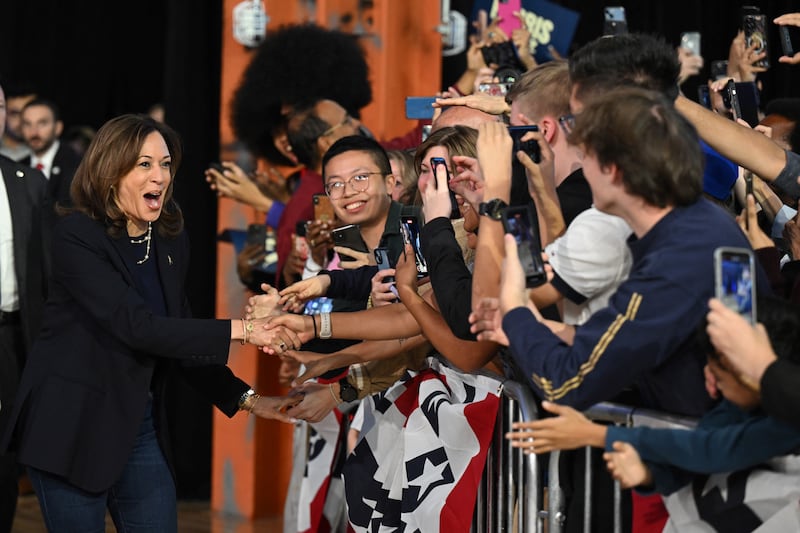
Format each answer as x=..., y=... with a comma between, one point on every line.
x=646, y=336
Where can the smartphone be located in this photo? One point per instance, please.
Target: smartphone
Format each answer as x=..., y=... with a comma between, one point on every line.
x=530, y=147
x=494, y=89
x=256, y=234
x=614, y=21
x=349, y=236
x=323, y=209
x=409, y=227
x=731, y=99
x=435, y=163
x=318, y=305
x=505, y=11
x=382, y=260
x=747, y=95
x=519, y=222
x=704, y=96
x=786, y=41
x=299, y=240
x=719, y=69
x=734, y=283
x=755, y=33
x=217, y=166
x=419, y=107
x=690, y=40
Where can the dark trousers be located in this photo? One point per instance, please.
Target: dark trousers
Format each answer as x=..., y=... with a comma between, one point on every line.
x=12, y=349
x=141, y=501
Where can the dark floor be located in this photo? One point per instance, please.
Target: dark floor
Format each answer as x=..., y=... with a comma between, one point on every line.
x=193, y=517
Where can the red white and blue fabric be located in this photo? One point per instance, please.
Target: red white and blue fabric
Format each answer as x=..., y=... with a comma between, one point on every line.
x=320, y=505
x=763, y=499
x=421, y=452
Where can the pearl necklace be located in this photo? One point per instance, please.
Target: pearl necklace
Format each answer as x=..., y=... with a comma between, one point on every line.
x=146, y=239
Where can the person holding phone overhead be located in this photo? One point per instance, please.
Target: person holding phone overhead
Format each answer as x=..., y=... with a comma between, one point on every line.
x=89, y=418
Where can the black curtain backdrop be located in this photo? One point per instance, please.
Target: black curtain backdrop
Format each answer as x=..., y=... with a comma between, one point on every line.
x=98, y=60
x=101, y=59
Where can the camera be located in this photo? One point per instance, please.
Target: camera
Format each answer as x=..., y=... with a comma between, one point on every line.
x=504, y=55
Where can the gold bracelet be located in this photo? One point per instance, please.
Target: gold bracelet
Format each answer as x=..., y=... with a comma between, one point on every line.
x=244, y=333
x=248, y=329
x=335, y=399
x=251, y=402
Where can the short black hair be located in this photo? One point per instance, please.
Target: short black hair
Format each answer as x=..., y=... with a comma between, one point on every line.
x=632, y=59
x=46, y=103
x=16, y=88
x=358, y=143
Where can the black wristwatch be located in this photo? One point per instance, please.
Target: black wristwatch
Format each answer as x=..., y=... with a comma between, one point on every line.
x=347, y=392
x=492, y=209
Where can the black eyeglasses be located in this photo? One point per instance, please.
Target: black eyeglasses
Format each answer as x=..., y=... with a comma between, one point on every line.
x=567, y=123
x=358, y=182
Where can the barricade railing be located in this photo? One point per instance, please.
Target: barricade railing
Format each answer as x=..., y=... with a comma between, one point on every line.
x=511, y=496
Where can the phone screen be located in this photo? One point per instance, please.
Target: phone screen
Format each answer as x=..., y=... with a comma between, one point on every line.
x=318, y=305
x=519, y=222
x=748, y=99
x=734, y=270
x=409, y=227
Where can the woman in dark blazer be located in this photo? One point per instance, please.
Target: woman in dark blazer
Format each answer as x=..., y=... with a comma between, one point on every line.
x=88, y=417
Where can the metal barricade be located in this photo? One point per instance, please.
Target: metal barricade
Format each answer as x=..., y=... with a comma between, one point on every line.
x=512, y=492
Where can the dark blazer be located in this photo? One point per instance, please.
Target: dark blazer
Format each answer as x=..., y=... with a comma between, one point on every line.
x=86, y=384
x=31, y=215
x=65, y=163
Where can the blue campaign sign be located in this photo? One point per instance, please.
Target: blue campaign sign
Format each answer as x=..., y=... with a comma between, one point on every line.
x=548, y=23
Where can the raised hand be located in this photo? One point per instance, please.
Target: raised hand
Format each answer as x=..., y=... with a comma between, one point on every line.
x=264, y=305
x=468, y=181
x=486, y=322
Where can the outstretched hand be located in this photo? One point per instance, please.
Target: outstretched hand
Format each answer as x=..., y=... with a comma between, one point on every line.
x=625, y=465
x=567, y=431
x=274, y=407
x=294, y=297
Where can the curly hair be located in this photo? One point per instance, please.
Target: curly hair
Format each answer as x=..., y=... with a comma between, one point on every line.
x=293, y=67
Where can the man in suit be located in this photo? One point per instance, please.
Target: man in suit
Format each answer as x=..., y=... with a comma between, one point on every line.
x=41, y=129
x=24, y=219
